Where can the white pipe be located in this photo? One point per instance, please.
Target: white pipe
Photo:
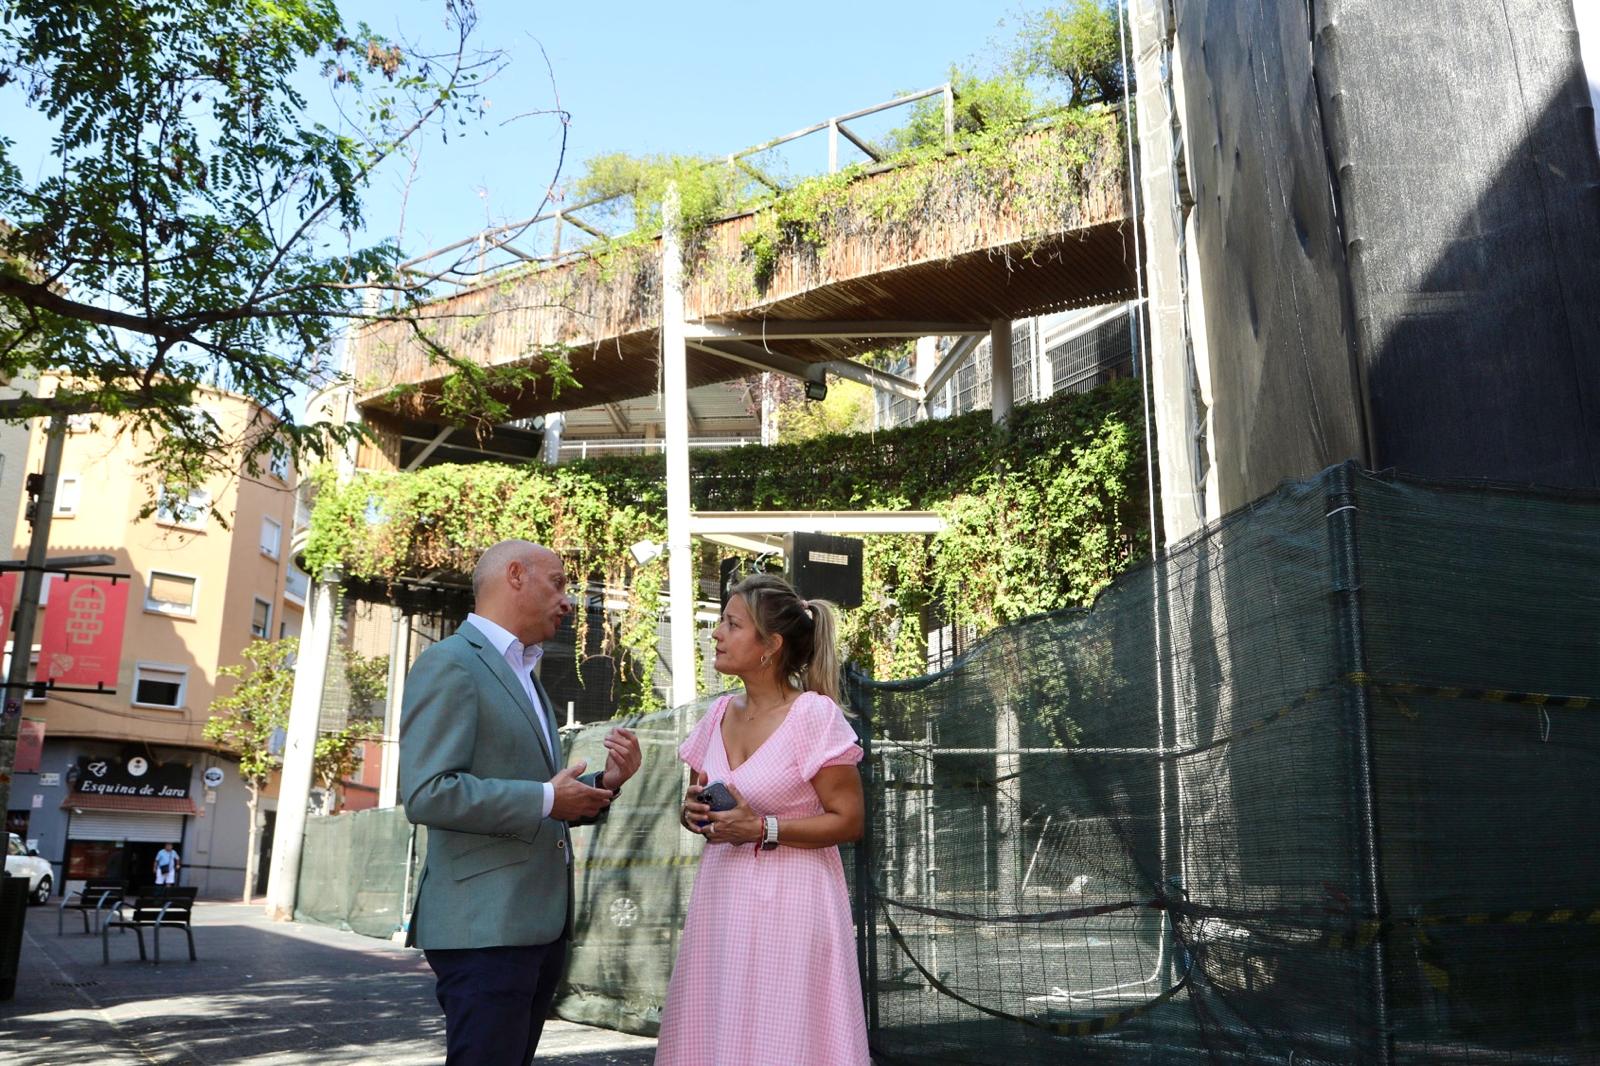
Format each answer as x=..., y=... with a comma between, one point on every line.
x=399, y=660
x=675, y=372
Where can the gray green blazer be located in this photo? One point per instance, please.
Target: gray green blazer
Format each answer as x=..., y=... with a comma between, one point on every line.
x=472, y=764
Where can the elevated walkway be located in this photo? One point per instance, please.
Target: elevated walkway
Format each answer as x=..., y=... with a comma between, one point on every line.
x=947, y=246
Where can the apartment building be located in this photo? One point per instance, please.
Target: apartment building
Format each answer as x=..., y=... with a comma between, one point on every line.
x=199, y=590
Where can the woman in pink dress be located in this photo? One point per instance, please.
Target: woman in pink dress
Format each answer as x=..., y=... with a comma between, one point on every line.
x=766, y=973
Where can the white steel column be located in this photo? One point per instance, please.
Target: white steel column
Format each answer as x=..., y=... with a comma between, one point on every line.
x=1044, y=376
x=399, y=660
x=675, y=372
x=769, y=413
x=305, y=713
x=925, y=359
x=1000, y=369
x=1007, y=804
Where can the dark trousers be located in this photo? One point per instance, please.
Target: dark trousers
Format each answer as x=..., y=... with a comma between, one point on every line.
x=495, y=1000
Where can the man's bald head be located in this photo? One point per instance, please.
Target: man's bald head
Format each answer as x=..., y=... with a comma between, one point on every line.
x=496, y=558
x=521, y=586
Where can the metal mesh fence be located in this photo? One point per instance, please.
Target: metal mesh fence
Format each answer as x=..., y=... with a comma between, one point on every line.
x=1310, y=789
x=1316, y=787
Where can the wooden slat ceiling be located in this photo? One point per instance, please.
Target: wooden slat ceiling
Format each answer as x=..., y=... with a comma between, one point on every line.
x=1076, y=270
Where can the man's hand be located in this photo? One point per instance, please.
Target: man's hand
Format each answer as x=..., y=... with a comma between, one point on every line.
x=575, y=800
x=622, y=757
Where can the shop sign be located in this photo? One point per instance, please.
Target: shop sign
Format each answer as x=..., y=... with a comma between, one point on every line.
x=213, y=777
x=81, y=640
x=136, y=776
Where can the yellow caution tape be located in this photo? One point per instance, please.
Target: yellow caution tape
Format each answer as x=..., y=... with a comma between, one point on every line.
x=635, y=861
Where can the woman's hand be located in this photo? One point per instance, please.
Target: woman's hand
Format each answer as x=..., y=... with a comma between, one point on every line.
x=693, y=810
x=741, y=825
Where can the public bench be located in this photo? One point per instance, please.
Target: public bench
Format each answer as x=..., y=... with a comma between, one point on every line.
x=168, y=907
x=98, y=896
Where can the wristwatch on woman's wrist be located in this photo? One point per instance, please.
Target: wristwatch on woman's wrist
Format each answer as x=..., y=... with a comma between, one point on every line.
x=770, y=840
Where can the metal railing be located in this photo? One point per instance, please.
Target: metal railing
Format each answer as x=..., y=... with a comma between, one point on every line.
x=583, y=449
x=499, y=247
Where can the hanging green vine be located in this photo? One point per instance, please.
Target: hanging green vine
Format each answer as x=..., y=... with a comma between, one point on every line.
x=1041, y=516
x=392, y=525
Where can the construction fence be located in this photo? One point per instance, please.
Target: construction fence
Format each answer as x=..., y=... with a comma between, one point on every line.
x=1315, y=787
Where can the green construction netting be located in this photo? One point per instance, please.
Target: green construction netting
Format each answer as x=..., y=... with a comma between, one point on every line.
x=356, y=869
x=1316, y=787
x=632, y=876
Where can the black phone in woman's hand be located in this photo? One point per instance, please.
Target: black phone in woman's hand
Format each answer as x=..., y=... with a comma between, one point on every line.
x=717, y=797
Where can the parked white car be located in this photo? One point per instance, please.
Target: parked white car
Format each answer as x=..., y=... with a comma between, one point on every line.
x=20, y=862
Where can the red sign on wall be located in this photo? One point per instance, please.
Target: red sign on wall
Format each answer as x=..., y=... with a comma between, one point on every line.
x=8, y=601
x=80, y=642
x=30, y=747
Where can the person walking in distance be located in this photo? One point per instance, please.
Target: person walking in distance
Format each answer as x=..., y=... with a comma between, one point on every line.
x=480, y=766
x=166, y=865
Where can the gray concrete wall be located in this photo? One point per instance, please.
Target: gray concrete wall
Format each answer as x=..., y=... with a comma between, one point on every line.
x=1462, y=140
x=1371, y=234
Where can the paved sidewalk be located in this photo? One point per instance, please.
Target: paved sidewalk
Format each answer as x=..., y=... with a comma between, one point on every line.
x=263, y=993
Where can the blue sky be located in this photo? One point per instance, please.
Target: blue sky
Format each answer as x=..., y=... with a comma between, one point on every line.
x=701, y=77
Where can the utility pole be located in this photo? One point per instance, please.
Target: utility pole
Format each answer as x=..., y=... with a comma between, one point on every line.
x=26, y=616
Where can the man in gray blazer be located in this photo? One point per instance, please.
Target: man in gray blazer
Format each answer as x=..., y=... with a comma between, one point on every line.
x=480, y=766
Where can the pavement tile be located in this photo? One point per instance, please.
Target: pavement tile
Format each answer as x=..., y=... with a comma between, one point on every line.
x=262, y=993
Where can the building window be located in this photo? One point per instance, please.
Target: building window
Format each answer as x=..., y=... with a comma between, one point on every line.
x=271, y=536
x=171, y=594
x=155, y=685
x=278, y=467
x=261, y=619
x=187, y=509
x=82, y=422
x=296, y=583
x=69, y=489
x=34, y=693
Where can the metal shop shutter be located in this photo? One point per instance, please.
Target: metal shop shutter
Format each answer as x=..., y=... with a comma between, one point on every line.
x=126, y=825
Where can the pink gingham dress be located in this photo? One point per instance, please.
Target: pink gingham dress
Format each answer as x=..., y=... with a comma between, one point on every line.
x=766, y=972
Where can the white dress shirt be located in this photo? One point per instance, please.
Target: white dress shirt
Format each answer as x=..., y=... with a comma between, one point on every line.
x=523, y=660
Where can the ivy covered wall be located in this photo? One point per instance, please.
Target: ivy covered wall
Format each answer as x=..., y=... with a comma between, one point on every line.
x=1041, y=515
